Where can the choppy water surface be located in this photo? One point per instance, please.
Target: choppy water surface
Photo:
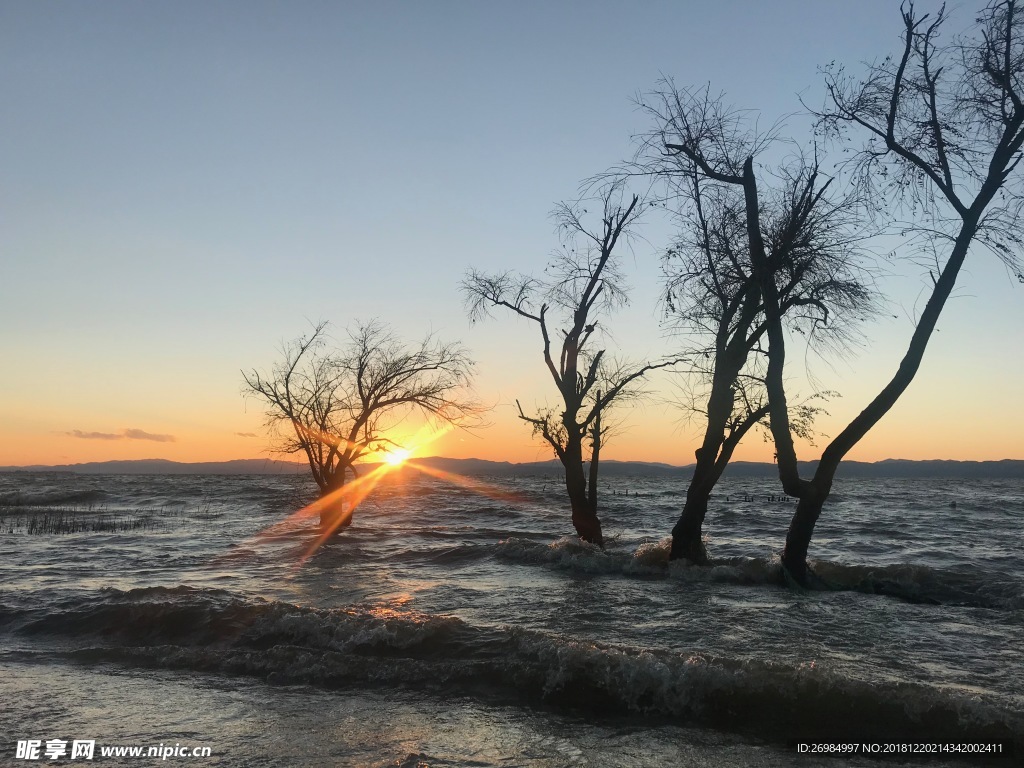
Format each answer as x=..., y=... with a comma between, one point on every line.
x=458, y=624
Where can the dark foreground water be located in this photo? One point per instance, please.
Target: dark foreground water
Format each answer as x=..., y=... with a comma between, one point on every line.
x=458, y=625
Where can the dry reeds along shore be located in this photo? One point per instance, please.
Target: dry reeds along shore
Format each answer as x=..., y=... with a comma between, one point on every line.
x=17, y=516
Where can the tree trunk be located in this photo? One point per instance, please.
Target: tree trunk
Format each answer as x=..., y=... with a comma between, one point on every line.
x=584, y=515
x=813, y=494
x=798, y=538
x=334, y=514
x=586, y=522
x=687, y=536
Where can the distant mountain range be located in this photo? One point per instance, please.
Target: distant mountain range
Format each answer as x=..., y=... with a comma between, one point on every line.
x=1007, y=468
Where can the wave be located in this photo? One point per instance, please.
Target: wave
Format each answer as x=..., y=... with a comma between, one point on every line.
x=213, y=631
x=922, y=584
x=648, y=560
x=571, y=553
x=52, y=498
x=909, y=582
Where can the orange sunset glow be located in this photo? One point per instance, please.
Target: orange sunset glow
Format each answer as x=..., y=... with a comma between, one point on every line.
x=656, y=433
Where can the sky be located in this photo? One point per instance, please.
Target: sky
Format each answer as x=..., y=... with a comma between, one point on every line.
x=184, y=186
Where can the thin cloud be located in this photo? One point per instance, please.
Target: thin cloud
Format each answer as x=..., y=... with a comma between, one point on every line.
x=138, y=434
x=93, y=435
x=124, y=434
x=246, y=434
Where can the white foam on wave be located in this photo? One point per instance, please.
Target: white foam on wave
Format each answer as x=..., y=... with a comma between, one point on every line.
x=649, y=559
x=573, y=554
x=907, y=581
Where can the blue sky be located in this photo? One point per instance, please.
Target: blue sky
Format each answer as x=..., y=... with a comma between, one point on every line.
x=186, y=184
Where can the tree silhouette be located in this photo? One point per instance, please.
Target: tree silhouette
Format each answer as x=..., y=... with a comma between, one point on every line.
x=735, y=239
x=336, y=405
x=945, y=127
x=582, y=285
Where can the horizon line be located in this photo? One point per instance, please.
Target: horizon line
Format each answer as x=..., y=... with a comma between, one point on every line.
x=300, y=464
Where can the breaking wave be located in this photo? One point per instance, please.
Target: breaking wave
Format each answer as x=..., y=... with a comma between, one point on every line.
x=912, y=583
x=570, y=553
x=921, y=584
x=214, y=631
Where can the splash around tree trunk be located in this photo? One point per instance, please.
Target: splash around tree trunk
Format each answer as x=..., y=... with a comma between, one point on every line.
x=687, y=535
x=688, y=544
x=588, y=527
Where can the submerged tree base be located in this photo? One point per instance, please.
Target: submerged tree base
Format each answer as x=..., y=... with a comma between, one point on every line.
x=588, y=528
x=795, y=573
x=689, y=549
x=335, y=518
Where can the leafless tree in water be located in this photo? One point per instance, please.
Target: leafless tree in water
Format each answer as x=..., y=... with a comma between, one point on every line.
x=737, y=242
x=944, y=129
x=337, y=404
x=582, y=286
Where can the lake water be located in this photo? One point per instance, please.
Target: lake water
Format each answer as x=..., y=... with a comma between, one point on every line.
x=456, y=623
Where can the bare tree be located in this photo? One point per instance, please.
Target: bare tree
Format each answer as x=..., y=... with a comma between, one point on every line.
x=945, y=128
x=710, y=296
x=336, y=405
x=733, y=240
x=583, y=285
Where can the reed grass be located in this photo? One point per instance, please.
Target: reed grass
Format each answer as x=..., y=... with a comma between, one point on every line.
x=43, y=520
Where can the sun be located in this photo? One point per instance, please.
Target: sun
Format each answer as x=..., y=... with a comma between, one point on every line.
x=396, y=456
